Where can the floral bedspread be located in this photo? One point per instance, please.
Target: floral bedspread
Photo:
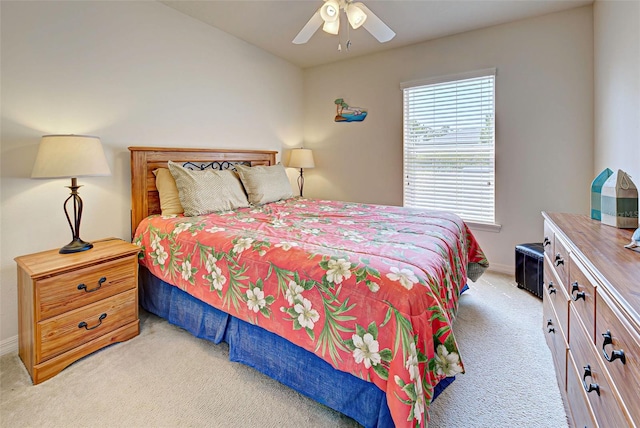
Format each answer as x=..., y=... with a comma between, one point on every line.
x=371, y=289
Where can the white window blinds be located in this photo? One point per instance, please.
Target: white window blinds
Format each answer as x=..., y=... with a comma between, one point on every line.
x=449, y=145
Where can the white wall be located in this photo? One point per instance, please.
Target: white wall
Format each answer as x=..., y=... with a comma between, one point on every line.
x=139, y=73
x=544, y=121
x=617, y=86
x=132, y=73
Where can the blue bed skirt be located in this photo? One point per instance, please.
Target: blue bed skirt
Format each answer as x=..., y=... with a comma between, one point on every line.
x=270, y=354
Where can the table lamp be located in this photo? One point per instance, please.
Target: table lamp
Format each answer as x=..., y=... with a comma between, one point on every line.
x=301, y=158
x=71, y=156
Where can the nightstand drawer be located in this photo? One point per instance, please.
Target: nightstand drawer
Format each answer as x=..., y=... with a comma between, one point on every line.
x=60, y=334
x=62, y=293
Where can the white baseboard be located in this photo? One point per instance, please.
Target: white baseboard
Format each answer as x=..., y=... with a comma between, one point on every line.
x=506, y=269
x=9, y=345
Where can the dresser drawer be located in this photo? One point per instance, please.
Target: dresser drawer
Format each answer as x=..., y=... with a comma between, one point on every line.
x=547, y=242
x=556, y=341
x=580, y=408
x=557, y=296
x=560, y=260
x=613, y=341
x=71, y=290
x=602, y=397
x=64, y=332
x=582, y=292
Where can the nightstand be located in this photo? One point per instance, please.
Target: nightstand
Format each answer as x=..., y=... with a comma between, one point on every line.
x=70, y=305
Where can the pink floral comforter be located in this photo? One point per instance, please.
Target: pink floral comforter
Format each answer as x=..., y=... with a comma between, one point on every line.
x=371, y=289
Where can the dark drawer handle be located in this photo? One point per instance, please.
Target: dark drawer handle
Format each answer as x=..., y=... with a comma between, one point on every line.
x=100, y=282
x=615, y=354
x=550, y=325
x=559, y=260
x=84, y=324
x=579, y=295
x=592, y=386
x=551, y=287
x=546, y=242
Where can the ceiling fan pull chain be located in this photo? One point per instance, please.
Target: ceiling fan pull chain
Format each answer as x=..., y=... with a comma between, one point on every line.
x=348, y=35
x=339, y=41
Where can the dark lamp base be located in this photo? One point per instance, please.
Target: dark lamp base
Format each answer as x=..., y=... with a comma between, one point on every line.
x=76, y=246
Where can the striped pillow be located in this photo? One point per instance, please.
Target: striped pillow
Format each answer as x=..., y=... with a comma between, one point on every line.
x=265, y=184
x=207, y=191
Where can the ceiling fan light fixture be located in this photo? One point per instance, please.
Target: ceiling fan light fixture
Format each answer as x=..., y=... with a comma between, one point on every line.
x=332, y=27
x=356, y=15
x=330, y=11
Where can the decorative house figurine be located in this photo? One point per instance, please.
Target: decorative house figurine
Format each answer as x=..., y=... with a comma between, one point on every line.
x=596, y=193
x=619, y=201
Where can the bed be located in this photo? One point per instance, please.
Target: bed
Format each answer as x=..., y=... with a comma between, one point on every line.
x=349, y=304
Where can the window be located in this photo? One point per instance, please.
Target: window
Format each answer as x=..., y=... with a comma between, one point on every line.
x=449, y=145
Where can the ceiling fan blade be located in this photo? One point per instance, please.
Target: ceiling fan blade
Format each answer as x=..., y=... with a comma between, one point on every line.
x=309, y=29
x=375, y=26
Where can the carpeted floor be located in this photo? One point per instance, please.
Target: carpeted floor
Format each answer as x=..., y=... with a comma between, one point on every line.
x=167, y=378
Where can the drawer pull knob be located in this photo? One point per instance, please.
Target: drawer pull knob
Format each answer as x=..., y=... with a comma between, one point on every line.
x=551, y=287
x=100, y=282
x=546, y=241
x=579, y=295
x=85, y=325
x=559, y=260
x=550, y=325
x=615, y=354
x=592, y=386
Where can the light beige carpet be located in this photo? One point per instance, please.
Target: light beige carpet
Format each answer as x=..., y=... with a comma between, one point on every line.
x=167, y=378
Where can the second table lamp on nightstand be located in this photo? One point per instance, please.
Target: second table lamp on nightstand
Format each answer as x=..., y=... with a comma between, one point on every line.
x=301, y=158
x=71, y=156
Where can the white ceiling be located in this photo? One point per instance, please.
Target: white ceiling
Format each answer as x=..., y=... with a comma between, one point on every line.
x=272, y=24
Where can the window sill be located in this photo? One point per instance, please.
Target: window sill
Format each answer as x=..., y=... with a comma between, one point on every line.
x=484, y=227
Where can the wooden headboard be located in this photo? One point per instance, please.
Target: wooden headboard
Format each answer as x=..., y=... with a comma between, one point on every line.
x=144, y=194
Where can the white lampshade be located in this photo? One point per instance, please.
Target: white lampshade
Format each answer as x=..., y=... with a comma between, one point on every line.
x=330, y=11
x=301, y=158
x=356, y=15
x=331, y=27
x=70, y=156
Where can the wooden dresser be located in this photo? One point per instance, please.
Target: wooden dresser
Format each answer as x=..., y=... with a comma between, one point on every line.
x=591, y=309
x=70, y=305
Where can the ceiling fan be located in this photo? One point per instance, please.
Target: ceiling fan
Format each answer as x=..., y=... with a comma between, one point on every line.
x=328, y=16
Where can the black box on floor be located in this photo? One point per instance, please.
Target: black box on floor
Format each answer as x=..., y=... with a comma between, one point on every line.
x=529, y=267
